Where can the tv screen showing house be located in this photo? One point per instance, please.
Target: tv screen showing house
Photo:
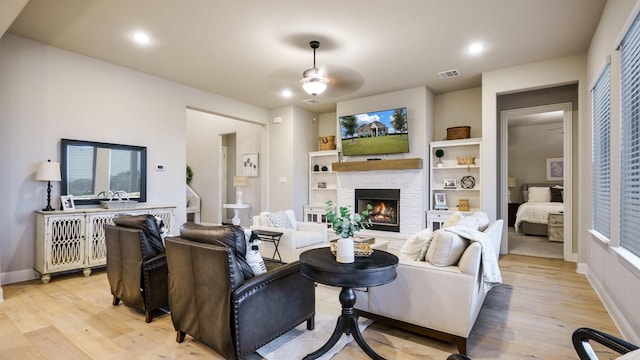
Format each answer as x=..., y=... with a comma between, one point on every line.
x=375, y=133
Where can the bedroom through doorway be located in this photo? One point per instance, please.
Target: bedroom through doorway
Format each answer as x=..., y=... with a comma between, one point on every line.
x=534, y=167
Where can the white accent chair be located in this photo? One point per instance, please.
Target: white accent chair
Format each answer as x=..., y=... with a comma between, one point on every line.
x=304, y=236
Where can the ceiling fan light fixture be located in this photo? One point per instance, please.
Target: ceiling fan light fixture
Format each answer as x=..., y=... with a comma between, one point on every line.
x=314, y=85
x=312, y=81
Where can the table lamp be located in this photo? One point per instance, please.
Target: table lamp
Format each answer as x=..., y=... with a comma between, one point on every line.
x=48, y=171
x=511, y=183
x=239, y=182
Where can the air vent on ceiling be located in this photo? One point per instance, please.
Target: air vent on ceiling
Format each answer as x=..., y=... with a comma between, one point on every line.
x=311, y=101
x=449, y=73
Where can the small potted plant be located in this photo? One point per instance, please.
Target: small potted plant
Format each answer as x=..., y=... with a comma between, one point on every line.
x=345, y=225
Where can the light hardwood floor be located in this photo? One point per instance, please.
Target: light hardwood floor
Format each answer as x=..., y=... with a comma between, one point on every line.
x=530, y=316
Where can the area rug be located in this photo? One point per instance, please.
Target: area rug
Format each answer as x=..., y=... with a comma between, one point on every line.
x=539, y=246
x=299, y=342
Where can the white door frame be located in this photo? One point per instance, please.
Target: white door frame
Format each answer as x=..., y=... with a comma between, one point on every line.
x=567, y=126
x=222, y=184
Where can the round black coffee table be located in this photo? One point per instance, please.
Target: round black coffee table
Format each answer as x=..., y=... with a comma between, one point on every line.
x=320, y=265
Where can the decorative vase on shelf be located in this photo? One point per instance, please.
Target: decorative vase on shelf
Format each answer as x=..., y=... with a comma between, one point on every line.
x=345, y=250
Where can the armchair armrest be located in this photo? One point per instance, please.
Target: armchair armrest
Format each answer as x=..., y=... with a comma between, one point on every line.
x=271, y=304
x=581, y=337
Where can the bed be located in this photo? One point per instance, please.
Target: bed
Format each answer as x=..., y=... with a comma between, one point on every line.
x=532, y=215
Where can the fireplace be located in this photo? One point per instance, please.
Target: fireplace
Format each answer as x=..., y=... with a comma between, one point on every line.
x=385, y=215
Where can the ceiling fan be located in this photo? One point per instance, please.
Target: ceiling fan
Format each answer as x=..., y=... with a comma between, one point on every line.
x=331, y=80
x=313, y=80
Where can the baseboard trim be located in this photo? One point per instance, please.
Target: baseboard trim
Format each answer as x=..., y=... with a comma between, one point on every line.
x=17, y=276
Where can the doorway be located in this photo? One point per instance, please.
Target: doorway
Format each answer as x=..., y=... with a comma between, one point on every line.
x=542, y=125
x=227, y=171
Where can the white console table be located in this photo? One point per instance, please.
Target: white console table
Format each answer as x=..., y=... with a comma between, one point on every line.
x=236, y=210
x=74, y=239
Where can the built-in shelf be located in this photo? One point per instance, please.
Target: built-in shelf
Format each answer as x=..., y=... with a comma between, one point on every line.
x=396, y=164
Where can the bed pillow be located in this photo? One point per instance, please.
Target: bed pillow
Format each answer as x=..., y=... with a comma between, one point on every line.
x=539, y=194
x=556, y=194
x=446, y=248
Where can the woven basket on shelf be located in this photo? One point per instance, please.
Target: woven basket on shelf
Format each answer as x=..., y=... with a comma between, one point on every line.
x=327, y=142
x=458, y=132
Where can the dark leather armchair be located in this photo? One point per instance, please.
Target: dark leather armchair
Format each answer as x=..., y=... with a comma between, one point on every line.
x=582, y=336
x=216, y=299
x=136, y=263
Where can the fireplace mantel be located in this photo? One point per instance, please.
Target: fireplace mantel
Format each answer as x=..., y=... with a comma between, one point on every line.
x=396, y=164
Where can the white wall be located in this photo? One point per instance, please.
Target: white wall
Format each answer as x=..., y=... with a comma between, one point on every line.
x=47, y=94
x=458, y=108
x=560, y=71
x=328, y=125
x=203, y=155
x=615, y=278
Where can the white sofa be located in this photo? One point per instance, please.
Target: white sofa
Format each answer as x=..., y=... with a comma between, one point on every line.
x=304, y=236
x=440, y=302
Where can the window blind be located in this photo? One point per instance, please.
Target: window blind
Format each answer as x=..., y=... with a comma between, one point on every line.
x=630, y=140
x=601, y=153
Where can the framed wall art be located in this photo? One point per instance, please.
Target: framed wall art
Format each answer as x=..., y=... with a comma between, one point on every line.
x=555, y=169
x=250, y=164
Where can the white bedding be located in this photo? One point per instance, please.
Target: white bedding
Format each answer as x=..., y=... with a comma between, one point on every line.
x=536, y=212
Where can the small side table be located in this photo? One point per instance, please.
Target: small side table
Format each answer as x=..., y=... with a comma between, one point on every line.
x=320, y=265
x=236, y=209
x=272, y=237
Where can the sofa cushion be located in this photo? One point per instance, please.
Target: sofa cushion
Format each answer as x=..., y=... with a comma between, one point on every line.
x=415, y=244
x=280, y=219
x=482, y=218
x=452, y=219
x=446, y=248
x=468, y=222
x=307, y=238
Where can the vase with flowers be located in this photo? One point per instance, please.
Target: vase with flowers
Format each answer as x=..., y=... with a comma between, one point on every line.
x=346, y=225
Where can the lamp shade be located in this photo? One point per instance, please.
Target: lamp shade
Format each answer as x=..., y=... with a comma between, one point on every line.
x=48, y=171
x=239, y=181
x=511, y=182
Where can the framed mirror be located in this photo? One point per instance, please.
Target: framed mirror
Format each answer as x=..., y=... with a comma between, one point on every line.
x=95, y=171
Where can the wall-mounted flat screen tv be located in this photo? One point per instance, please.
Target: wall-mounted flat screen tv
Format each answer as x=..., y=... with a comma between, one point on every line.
x=375, y=133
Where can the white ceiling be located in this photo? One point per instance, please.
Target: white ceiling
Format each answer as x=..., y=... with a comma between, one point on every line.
x=251, y=50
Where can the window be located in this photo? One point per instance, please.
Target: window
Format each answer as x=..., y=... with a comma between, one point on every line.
x=601, y=154
x=630, y=140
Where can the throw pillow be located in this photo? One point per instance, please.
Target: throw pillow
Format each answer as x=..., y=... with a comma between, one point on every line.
x=264, y=219
x=292, y=219
x=483, y=220
x=414, y=245
x=556, y=194
x=468, y=222
x=539, y=194
x=280, y=219
x=452, y=219
x=446, y=248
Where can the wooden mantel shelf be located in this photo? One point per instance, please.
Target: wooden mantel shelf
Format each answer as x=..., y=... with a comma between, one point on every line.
x=397, y=164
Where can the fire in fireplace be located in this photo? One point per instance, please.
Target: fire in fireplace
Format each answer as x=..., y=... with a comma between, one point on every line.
x=385, y=215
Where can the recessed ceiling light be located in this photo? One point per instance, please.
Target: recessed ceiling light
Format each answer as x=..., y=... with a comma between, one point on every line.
x=475, y=48
x=287, y=93
x=141, y=38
